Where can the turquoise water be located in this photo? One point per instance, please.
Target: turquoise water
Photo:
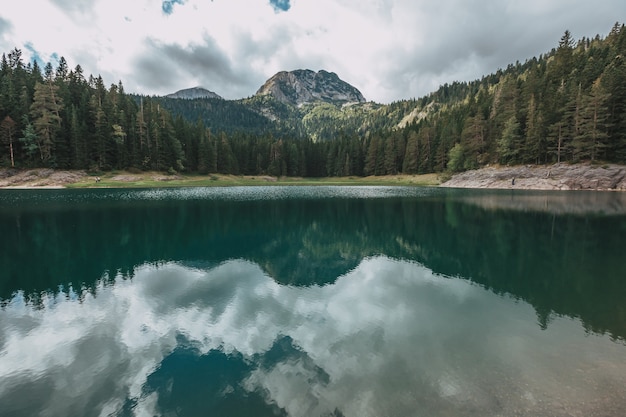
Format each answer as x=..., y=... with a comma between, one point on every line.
x=312, y=301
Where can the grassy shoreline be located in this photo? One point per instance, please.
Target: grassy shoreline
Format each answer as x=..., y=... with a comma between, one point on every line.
x=217, y=180
x=48, y=178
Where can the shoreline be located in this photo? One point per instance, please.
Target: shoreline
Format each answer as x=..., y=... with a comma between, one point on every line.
x=566, y=177
x=44, y=178
x=584, y=176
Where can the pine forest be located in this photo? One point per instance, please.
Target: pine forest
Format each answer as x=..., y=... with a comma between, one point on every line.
x=566, y=106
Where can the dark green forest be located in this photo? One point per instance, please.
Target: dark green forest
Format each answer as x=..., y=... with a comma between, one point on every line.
x=568, y=105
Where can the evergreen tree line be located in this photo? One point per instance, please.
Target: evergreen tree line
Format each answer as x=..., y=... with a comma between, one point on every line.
x=566, y=106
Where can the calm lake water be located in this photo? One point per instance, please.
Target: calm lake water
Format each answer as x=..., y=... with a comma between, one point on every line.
x=323, y=301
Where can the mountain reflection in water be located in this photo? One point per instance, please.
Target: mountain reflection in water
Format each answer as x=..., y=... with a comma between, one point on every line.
x=359, y=302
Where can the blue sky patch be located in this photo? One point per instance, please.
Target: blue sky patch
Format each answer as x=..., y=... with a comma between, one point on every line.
x=34, y=54
x=280, y=5
x=168, y=5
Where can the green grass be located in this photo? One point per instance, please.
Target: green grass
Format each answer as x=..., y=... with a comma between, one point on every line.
x=152, y=180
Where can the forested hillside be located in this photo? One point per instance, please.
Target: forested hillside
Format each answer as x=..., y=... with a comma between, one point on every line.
x=568, y=105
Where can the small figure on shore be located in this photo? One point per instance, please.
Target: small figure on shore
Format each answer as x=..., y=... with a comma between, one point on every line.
x=97, y=179
x=513, y=182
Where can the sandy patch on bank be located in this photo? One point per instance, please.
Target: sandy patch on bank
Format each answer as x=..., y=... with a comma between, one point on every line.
x=39, y=178
x=154, y=176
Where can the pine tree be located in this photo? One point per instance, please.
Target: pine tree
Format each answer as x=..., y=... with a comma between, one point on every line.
x=29, y=140
x=226, y=161
x=100, y=135
x=613, y=82
x=534, y=143
x=374, y=155
x=474, y=141
x=563, y=59
x=45, y=113
x=390, y=163
x=425, y=139
x=591, y=138
x=78, y=132
x=456, y=158
x=7, y=131
x=410, y=164
x=509, y=143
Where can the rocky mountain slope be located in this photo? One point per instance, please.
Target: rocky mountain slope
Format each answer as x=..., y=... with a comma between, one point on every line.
x=300, y=103
x=305, y=86
x=193, y=93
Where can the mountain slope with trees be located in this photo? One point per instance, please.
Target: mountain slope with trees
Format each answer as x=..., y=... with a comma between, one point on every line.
x=568, y=105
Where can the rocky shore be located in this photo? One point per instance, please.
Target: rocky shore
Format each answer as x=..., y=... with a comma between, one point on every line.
x=525, y=177
x=544, y=177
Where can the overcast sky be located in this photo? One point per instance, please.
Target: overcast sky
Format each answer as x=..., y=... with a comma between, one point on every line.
x=388, y=49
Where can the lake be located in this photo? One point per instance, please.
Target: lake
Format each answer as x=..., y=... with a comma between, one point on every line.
x=312, y=301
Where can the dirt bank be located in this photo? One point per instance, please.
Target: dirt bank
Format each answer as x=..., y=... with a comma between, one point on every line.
x=548, y=177
x=39, y=178
x=529, y=177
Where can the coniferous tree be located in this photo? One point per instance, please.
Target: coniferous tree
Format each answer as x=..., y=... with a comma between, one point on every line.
x=100, y=135
x=390, y=162
x=509, y=143
x=7, y=132
x=410, y=164
x=45, y=113
x=29, y=140
x=591, y=136
x=473, y=138
x=374, y=155
x=456, y=158
x=534, y=148
x=226, y=161
x=613, y=80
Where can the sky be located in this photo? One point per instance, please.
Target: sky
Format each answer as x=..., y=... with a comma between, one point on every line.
x=389, y=49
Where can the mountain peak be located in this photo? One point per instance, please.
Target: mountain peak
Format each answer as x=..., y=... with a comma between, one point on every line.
x=192, y=93
x=304, y=86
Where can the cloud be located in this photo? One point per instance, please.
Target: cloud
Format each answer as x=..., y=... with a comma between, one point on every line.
x=80, y=12
x=388, y=49
x=383, y=330
x=5, y=25
x=163, y=65
x=450, y=42
x=75, y=6
x=280, y=5
x=168, y=5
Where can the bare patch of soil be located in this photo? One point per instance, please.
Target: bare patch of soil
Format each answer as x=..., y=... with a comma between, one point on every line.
x=39, y=178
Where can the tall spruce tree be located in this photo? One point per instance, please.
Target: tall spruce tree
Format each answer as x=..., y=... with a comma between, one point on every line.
x=45, y=114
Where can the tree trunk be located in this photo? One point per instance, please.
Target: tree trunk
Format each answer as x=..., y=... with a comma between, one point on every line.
x=11, y=150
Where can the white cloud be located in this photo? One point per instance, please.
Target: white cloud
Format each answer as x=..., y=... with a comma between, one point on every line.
x=389, y=336
x=389, y=49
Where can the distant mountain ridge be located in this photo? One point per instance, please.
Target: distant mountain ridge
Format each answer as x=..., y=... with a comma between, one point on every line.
x=193, y=93
x=295, y=88
x=291, y=103
x=305, y=86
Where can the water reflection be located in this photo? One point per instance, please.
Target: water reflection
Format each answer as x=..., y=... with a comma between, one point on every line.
x=311, y=301
x=562, y=262
x=556, y=203
x=387, y=338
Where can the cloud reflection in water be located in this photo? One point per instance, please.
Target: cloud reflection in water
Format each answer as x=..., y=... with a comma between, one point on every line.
x=388, y=338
